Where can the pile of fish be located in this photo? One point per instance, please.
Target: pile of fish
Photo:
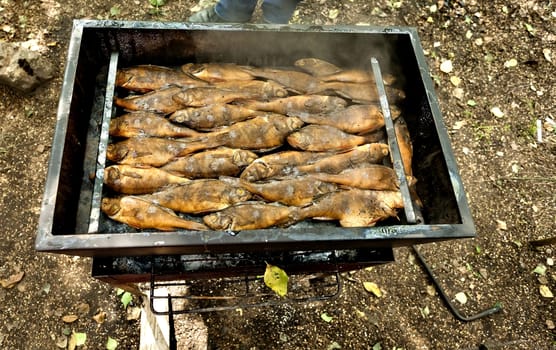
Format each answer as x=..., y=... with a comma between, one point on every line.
x=227, y=147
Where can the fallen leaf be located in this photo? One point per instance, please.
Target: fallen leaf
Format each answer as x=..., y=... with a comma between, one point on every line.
x=471, y=103
x=276, y=279
x=446, y=66
x=466, y=150
x=111, y=344
x=497, y=112
x=83, y=309
x=62, y=342
x=545, y=291
x=510, y=63
x=458, y=93
x=550, y=261
x=133, y=313
x=540, y=270
x=69, y=318
x=126, y=299
x=372, y=287
x=425, y=312
x=360, y=314
x=501, y=225
x=11, y=281
x=550, y=324
x=377, y=346
x=547, y=54
x=455, y=80
x=326, y=318
x=333, y=13
x=100, y=317
x=431, y=290
x=459, y=124
x=461, y=298
x=333, y=346
x=530, y=29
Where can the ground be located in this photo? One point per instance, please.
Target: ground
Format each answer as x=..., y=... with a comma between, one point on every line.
x=503, y=55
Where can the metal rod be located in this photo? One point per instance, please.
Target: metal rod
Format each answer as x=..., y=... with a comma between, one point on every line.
x=444, y=296
x=173, y=343
x=410, y=210
x=103, y=141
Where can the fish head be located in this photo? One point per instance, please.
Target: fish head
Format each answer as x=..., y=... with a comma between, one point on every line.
x=181, y=116
x=299, y=140
x=116, y=151
x=326, y=187
x=239, y=195
x=218, y=221
x=112, y=175
x=123, y=77
x=110, y=206
x=243, y=157
x=379, y=148
x=256, y=171
x=294, y=123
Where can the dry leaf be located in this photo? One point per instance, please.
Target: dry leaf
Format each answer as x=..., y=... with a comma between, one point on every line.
x=69, y=318
x=100, y=317
x=510, y=63
x=459, y=124
x=547, y=54
x=372, y=287
x=455, y=80
x=133, y=313
x=545, y=291
x=276, y=279
x=333, y=13
x=461, y=297
x=446, y=66
x=497, y=112
x=501, y=225
x=11, y=281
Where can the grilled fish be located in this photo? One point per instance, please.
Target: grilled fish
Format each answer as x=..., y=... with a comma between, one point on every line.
x=355, y=207
x=251, y=216
x=152, y=151
x=145, y=78
x=360, y=156
x=405, y=145
x=279, y=164
x=199, y=196
x=205, y=96
x=215, y=72
x=147, y=124
x=158, y=101
x=292, y=80
x=211, y=163
x=365, y=93
x=212, y=116
x=322, y=138
x=316, y=66
x=131, y=180
x=298, y=105
x=264, y=89
x=297, y=191
x=142, y=214
x=353, y=119
x=370, y=177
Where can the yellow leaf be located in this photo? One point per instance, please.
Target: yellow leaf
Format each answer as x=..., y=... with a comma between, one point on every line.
x=545, y=291
x=11, y=281
x=69, y=318
x=276, y=279
x=372, y=287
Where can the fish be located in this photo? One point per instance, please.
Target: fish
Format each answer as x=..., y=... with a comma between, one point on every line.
x=405, y=145
x=205, y=96
x=354, y=207
x=365, y=93
x=127, y=179
x=199, y=196
x=142, y=123
x=212, y=116
x=294, y=81
x=370, y=177
x=322, y=138
x=150, y=151
x=278, y=164
x=251, y=216
x=221, y=161
x=216, y=72
x=296, y=191
x=372, y=153
x=316, y=66
x=298, y=105
x=354, y=119
x=262, y=133
x=357, y=76
x=264, y=89
x=145, y=78
x=142, y=214
x=158, y=101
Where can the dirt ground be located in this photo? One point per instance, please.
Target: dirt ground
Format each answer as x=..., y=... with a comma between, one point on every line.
x=503, y=55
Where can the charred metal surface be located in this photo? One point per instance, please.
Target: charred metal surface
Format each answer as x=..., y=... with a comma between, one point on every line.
x=65, y=213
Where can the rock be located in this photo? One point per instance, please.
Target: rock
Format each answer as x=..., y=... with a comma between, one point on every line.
x=23, y=68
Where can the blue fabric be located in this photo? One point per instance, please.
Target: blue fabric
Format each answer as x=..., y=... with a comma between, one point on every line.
x=274, y=11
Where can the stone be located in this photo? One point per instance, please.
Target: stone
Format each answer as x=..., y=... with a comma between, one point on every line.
x=22, y=67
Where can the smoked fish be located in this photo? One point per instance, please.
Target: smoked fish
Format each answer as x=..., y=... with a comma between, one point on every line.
x=251, y=216
x=354, y=119
x=127, y=179
x=298, y=105
x=147, y=124
x=142, y=214
x=264, y=89
x=158, y=101
x=372, y=153
x=295, y=81
x=404, y=142
x=316, y=66
x=354, y=207
x=322, y=138
x=279, y=164
x=370, y=177
x=212, y=116
x=199, y=196
x=365, y=93
x=145, y=78
x=221, y=161
x=206, y=96
x=216, y=72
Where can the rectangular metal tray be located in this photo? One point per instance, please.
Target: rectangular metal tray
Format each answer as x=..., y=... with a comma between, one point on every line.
x=68, y=199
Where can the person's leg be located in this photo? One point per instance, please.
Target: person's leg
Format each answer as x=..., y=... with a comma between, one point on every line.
x=226, y=11
x=278, y=11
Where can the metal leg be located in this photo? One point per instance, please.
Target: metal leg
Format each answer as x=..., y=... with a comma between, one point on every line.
x=451, y=306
